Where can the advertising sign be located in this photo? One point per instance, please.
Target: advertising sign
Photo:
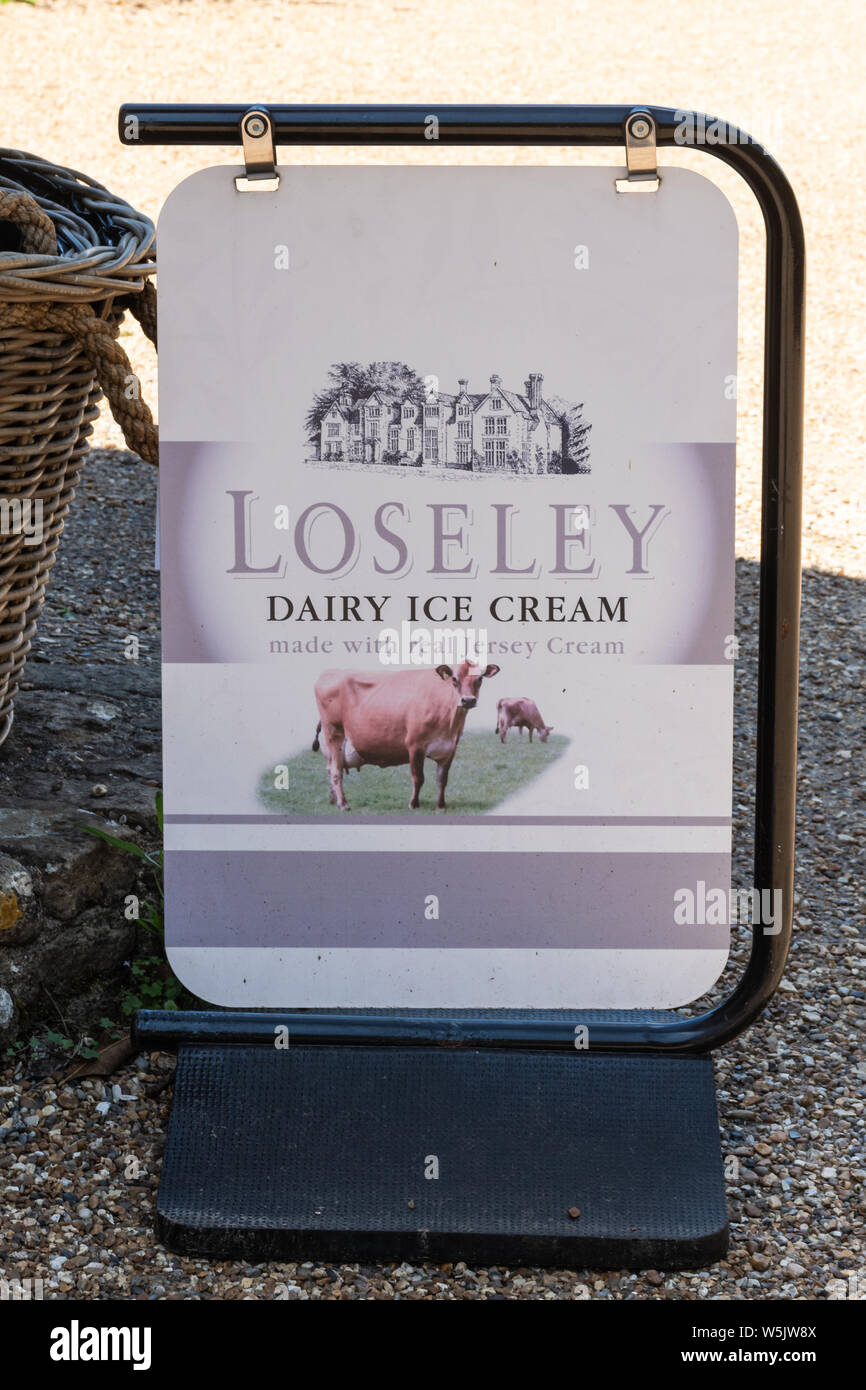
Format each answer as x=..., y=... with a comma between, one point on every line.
x=447, y=539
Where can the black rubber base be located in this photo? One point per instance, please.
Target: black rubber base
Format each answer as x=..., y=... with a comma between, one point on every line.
x=322, y=1153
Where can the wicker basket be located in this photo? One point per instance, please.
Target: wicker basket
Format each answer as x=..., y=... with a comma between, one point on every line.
x=66, y=243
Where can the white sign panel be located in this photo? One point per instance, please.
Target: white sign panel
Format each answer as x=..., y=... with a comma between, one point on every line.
x=447, y=537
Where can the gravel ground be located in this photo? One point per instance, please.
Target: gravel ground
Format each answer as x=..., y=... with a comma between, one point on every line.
x=82, y=1159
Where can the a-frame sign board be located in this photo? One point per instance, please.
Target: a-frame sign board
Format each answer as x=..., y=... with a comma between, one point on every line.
x=447, y=497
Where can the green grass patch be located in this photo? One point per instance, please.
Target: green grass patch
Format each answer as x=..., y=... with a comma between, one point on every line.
x=483, y=774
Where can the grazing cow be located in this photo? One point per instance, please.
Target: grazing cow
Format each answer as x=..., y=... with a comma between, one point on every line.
x=395, y=717
x=520, y=714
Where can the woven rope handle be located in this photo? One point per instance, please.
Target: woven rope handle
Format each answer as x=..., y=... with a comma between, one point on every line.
x=96, y=337
x=38, y=236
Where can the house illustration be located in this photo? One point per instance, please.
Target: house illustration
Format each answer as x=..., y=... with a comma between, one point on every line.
x=492, y=430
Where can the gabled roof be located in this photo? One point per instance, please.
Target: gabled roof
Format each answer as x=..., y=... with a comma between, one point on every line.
x=448, y=402
x=519, y=403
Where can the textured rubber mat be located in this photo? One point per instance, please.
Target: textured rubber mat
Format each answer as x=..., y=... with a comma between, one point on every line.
x=324, y=1153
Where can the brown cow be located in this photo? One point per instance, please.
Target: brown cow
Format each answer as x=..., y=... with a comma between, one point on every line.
x=395, y=717
x=520, y=714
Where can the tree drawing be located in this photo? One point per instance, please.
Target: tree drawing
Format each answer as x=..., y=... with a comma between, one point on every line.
x=394, y=379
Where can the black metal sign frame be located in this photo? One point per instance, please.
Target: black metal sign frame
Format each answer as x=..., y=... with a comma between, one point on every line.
x=779, y=607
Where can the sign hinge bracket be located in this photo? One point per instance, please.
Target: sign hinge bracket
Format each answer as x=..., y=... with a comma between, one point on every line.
x=260, y=156
x=640, y=154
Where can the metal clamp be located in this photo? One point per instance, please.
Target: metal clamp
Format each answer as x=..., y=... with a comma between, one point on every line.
x=640, y=155
x=260, y=157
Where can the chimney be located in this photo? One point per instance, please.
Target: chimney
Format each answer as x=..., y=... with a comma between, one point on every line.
x=345, y=396
x=535, y=380
x=527, y=388
x=495, y=383
x=463, y=383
